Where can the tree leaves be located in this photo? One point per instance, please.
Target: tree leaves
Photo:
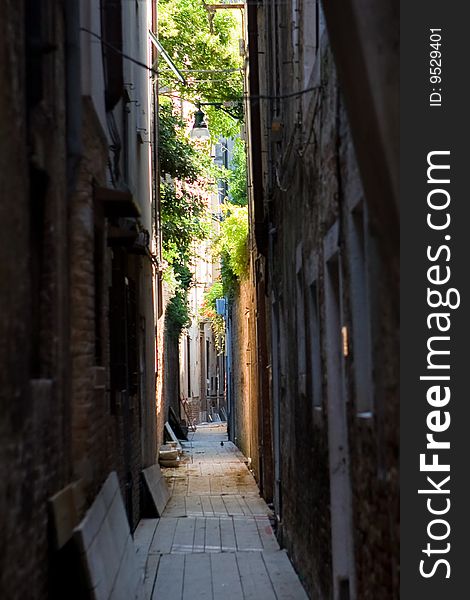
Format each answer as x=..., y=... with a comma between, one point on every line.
x=232, y=247
x=205, y=47
x=237, y=176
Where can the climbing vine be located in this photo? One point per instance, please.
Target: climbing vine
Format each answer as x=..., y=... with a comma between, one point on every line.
x=237, y=175
x=185, y=176
x=209, y=311
x=231, y=246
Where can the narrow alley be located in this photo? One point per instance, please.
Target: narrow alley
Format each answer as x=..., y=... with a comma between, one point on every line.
x=214, y=540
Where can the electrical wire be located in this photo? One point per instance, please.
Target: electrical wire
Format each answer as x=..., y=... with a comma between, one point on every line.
x=254, y=97
x=123, y=54
x=155, y=72
x=285, y=96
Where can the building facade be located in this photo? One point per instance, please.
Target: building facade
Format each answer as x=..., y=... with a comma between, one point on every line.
x=202, y=361
x=80, y=257
x=324, y=416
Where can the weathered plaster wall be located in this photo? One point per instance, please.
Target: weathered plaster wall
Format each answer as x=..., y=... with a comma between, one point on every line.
x=244, y=390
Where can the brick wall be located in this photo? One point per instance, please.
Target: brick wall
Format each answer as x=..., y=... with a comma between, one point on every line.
x=90, y=403
x=56, y=419
x=34, y=383
x=312, y=201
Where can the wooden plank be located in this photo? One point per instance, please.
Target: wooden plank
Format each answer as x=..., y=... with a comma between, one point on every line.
x=183, y=540
x=110, y=489
x=227, y=535
x=172, y=435
x=143, y=535
x=226, y=584
x=95, y=569
x=90, y=525
x=150, y=574
x=169, y=581
x=246, y=534
x=136, y=574
x=283, y=577
x=197, y=577
x=212, y=542
x=113, y=555
x=164, y=534
x=255, y=581
x=118, y=523
x=157, y=487
x=65, y=515
x=129, y=580
x=109, y=555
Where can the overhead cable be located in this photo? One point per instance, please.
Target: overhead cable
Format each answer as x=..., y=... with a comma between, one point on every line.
x=155, y=72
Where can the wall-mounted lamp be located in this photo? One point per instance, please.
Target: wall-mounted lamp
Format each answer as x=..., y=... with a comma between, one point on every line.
x=200, y=131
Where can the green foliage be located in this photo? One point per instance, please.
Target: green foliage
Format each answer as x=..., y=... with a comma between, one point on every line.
x=232, y=242
x=178, y=158
x=237, y=181
x=220, y=123
x=211, y=295
x=199, y=41
x=208, y=311
x=184, y=220
x=177, y=314
x=229, y=279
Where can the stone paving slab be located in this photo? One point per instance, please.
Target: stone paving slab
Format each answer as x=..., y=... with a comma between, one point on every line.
x=214, y=540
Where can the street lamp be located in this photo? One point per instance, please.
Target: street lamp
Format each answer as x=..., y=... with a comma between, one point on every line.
x=200, y=131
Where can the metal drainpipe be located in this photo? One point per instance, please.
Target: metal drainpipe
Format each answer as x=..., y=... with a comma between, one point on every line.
x=73, y=93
